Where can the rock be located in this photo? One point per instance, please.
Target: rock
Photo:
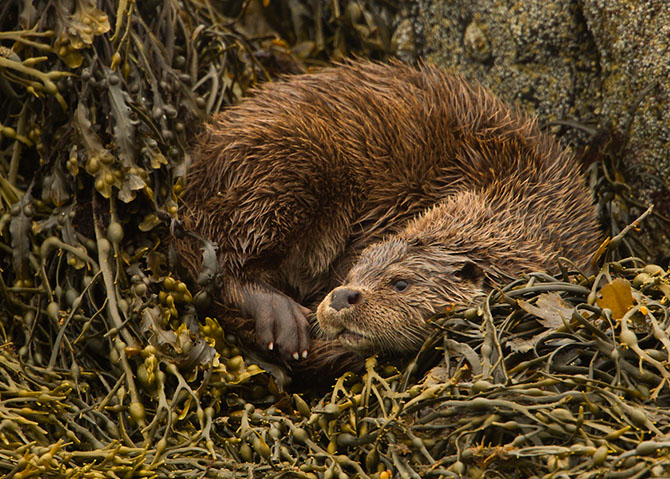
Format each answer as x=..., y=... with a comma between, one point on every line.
x=586, y=62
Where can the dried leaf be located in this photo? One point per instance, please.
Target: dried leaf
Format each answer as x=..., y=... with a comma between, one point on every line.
x=550, y=310
x=617, y=296
x=523, y=345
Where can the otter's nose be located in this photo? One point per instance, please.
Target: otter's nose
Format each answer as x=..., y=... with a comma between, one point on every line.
x=342, y=298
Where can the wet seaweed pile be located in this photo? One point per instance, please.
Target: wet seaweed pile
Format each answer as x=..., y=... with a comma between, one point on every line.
x=549, y=376
x=106, y=368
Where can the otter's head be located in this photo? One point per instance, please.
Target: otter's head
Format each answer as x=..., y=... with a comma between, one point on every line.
x=390, y=292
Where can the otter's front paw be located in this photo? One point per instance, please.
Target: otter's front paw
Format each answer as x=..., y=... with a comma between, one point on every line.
x=281, y=323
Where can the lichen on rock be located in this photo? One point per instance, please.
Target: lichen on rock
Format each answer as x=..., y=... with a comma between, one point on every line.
x=598, y=64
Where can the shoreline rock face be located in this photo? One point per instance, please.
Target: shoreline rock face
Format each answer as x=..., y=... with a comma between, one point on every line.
x=602, y=64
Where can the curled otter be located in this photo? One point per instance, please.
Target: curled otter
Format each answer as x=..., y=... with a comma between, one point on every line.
x=380, y=193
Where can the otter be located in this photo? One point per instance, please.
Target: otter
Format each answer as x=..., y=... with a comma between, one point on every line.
x=381, y=193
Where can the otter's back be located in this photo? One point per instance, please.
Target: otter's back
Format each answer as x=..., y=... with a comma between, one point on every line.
x=296, y=180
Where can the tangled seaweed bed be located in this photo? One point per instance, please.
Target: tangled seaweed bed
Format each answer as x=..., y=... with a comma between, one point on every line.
x=106, y=369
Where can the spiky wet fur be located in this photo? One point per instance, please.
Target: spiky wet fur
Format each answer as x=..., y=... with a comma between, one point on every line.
x=295, y=182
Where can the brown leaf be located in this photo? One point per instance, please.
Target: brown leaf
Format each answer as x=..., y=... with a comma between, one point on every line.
x=550, y=309
x=617, y=297
x=551, y=312
x=523, y=345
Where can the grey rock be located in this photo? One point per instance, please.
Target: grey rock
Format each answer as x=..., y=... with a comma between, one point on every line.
x=597, y=63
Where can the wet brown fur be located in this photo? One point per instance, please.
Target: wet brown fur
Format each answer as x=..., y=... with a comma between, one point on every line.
x=425, y=170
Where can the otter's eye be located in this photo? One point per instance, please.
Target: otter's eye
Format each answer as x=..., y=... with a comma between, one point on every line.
x=400, y=285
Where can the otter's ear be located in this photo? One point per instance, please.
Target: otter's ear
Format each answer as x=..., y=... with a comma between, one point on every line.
x=470, y=271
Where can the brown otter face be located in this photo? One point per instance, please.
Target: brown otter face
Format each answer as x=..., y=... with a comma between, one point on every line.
x=391, y=291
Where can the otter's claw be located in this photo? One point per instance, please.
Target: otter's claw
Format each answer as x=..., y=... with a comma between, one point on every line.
x=281, y=323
